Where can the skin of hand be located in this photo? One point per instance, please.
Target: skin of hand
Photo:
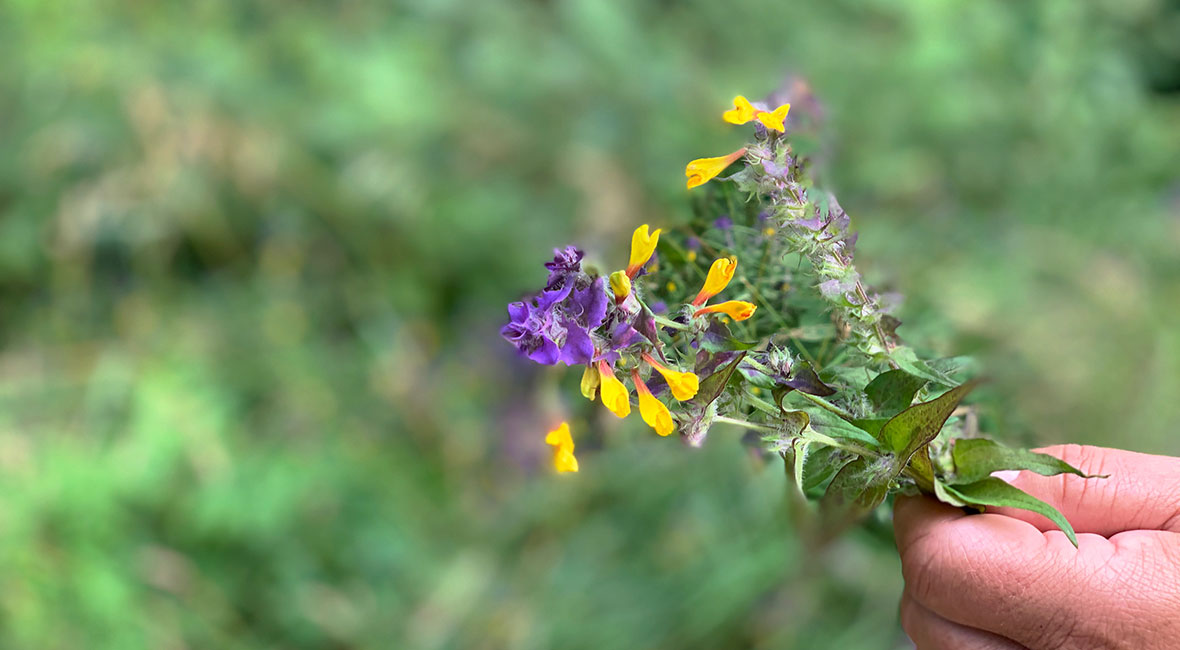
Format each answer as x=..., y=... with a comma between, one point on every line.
x=1008, y=579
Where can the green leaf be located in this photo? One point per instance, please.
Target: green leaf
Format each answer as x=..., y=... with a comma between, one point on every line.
x=821, y=465
x=804, y=379
x=830, y=424
x=756, y=377
x=919, y=424
x=718, y=338
x=712, y=386
x=892, y=392
x=946, y=497
x=908, y=361
x=856, y=491
x=977, y=458
x=922, y=470
x=793, y=423
x=998, y=493
x=871, y=426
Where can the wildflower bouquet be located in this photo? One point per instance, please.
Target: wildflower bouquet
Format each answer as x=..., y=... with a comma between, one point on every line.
x=783, y=338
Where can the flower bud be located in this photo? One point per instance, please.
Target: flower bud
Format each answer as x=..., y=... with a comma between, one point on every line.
x=620, y=284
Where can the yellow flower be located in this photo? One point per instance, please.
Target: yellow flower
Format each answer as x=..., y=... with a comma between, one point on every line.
x=684, y=385
x=702, y=170
x=620, y=284
x=652, y=410
x=642, y=247
x=614, y=393
x=563, y=448
x=735, y=309
x=774, y=119
x=719, y=276
x=590, y=382
x=741, y=112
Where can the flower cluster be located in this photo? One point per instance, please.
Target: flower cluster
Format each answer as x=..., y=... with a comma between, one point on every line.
x=568, y=321
x=813, y=364
x=577, y=320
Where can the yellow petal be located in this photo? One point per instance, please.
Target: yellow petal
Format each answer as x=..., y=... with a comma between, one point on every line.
x=560, y=437
x=774, y=119
x=735, y=309
x=719, y=276
x=620, y=284
x=655, y=414
x=642, y=247
x=741, y=112
x=702, y=170
x=564, y=461
x=590, y=383
x=684, y=385
x=614, y=394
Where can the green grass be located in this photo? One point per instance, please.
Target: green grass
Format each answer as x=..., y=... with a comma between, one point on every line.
x=254, y=258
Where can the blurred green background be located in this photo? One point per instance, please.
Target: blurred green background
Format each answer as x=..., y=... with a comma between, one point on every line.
x=254, y=258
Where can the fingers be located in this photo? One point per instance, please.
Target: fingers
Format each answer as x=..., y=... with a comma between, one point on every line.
x=987, y=571
x=1002, y=575
x=929, y=631
x=1142, y=491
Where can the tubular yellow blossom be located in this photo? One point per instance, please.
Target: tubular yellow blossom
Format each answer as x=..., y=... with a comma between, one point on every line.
x=642, y=247
x=563, y=448
x=613, y=392
x=702, y=170
x=590, y=382
x=774, y=119
x=684, y=385
x=743, y=111
x=719, y=276
x=652, y=410
x=735, y=309
x=620, y=284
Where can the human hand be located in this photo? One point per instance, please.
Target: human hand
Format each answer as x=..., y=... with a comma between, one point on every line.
x=1008, y=579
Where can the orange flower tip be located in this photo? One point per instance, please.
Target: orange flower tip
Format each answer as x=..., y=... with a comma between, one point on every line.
x=643, y=245
x=720, y=273
x=613, y=392
x=741, y=112
x=564, y=460
x=775, y=119
x=684, y=385
x=655, y=414
x=735, y=309
x=560, y=437
x=702, y=170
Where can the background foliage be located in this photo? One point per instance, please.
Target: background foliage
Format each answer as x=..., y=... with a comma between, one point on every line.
x=254, y=256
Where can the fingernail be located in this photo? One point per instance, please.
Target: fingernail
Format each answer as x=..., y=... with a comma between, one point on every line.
x=1006, y=475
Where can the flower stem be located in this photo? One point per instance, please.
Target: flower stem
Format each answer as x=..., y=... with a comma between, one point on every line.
x=743, y=424
x=669, y=323
x=819, y=401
